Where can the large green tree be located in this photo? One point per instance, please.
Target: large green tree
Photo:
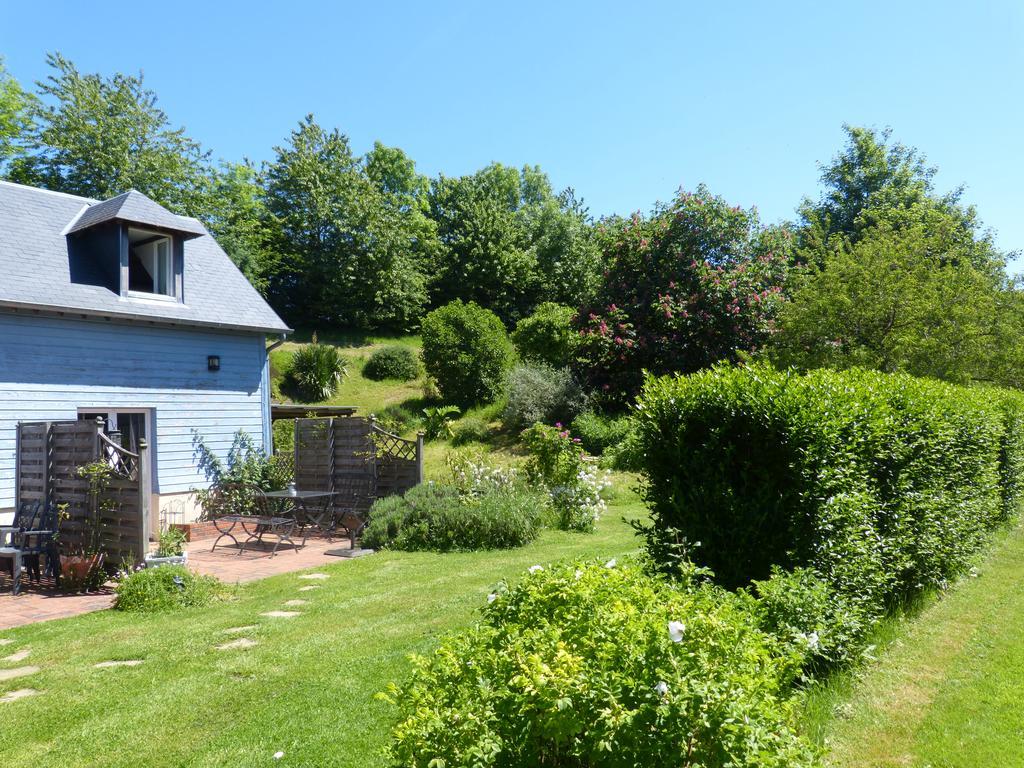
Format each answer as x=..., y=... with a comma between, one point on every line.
x=342, y=249
x=98, y=136
x=236, y=215
x=508, y=241
x=14, y=115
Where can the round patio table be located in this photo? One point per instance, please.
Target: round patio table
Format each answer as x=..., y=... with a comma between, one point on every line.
x=313, y=510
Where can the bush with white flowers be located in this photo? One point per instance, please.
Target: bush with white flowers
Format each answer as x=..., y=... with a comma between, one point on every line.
x=600, y=664
x=575, y=484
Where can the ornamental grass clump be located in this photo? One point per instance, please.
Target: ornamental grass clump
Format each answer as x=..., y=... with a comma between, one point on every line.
x=317, y=370
x=165, y=588
x=600, y=664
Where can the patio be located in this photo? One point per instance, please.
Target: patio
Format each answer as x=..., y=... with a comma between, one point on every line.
x=43, y=602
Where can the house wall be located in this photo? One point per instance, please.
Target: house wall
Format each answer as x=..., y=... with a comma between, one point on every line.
x=52, y=367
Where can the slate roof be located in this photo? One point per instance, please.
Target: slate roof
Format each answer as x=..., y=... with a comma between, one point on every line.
x=35, y=270
x=136, y=208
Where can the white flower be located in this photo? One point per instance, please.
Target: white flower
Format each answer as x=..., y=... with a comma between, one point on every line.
x=661, y=688
x=610, y=563
x=535, y=568
x=578, y=574
x=676, y=630
x=278, y=755
x=812, y=640
x=492, y=597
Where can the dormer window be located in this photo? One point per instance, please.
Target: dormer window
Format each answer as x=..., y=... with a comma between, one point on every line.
x=150, y=264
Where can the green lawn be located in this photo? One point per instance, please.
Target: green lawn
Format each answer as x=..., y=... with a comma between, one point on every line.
x=308, y=688
x=947, y=690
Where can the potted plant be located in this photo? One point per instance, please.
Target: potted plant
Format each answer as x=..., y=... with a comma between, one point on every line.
x=81, y=565
x=170, y=549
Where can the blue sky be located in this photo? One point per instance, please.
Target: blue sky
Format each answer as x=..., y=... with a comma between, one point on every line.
x=624, y=102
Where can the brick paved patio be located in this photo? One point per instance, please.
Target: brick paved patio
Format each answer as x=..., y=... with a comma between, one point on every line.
x=41, y=602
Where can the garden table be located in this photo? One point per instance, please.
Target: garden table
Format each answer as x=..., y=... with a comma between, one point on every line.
x=312, y=508
x=281, y=527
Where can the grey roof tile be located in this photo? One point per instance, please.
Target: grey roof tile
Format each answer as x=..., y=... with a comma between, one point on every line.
x=35, y=272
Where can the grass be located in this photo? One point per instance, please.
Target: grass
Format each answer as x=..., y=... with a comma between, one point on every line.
x=946, y=688
x=308, y=688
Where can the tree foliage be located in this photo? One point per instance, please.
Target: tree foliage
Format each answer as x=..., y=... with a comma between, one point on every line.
x=696, y=282
x=100, y=136
x=14, y=117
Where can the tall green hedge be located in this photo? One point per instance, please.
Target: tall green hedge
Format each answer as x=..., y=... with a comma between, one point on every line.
x=882, y=483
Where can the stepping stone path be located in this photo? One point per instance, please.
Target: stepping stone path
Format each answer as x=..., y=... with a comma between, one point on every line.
x=118, y=663
x=296, y=603
x=19, y=694
x=281, y=614
x=5, y=641
x=315, y=576
x=236, y=630
x=309, y=587
x=242, y=642
x=19, y=656
x=11, y=674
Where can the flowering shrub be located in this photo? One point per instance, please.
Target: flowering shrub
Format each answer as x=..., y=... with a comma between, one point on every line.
x=559, y=463
x=599, y=664
x=473, y=476
x=697, y=282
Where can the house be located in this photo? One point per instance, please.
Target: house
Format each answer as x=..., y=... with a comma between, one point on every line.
x=122, y=310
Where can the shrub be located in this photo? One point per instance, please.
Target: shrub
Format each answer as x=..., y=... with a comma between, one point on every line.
x=539, y=393
x=398, y=419
x=466, y=352
x=547, y=336
x=883, y=484
x=471, y=430
x=438, y=422
x=246, y=468
x=599, y=432
x=602, y=665
x=441, y=518
x=317, y=370
x=558, y=463
x=393, y=362
x=165, y=588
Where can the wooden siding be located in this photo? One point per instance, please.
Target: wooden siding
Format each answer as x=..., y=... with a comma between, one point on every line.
x=52, y=367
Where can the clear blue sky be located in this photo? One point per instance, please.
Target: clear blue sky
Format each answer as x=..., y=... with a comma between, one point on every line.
x=624, y=102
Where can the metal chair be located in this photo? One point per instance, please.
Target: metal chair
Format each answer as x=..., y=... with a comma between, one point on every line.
x=355, y=495
x=33, y=539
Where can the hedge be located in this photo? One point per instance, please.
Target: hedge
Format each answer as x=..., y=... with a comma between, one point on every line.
x=882, y=483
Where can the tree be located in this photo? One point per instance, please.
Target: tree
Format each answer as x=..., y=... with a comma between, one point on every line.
x=100, y=137
x=14, y=117
x=342, y=251
x=904, y=298
x=236, y=216
x=696, y=282
x=508, y=242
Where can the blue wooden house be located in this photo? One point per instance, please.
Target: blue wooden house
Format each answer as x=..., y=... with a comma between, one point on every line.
x=120, y=309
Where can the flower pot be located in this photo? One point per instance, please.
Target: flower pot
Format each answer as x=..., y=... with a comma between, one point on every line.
x=75, y=570
x=152, y=561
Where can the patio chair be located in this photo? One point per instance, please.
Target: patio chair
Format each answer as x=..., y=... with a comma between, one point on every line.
x=355, y=495
x=33, y=539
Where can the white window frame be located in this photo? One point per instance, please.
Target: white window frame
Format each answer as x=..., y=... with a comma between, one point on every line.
x=151, y=246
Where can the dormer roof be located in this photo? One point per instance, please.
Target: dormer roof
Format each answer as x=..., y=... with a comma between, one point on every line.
x=135, y=208
x=37, y=274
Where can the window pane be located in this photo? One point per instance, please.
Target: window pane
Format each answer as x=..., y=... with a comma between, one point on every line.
x=163, y=268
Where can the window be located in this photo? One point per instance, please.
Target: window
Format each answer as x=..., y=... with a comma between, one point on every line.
x=150, y=264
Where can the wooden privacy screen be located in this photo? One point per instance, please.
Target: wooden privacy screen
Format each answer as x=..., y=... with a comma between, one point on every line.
x=356, y=459
x=49, y=454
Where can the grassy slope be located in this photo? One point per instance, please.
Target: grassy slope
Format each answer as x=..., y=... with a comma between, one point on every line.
x=946, y=690
x=308, y=688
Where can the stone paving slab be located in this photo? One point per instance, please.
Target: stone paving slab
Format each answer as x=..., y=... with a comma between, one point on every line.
x=21, y=693
x=118, y=663
x=13, y=674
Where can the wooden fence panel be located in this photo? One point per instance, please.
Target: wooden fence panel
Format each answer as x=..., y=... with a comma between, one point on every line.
x=49, y=457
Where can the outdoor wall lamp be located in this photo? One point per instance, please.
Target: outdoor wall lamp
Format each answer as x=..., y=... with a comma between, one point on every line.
x=213, y=363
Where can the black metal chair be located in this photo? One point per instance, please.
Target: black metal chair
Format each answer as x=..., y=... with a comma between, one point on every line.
x=33, y=539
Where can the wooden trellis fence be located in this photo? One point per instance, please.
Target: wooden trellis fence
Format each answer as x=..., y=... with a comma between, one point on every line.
x=48, y=456
x=356, y=459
